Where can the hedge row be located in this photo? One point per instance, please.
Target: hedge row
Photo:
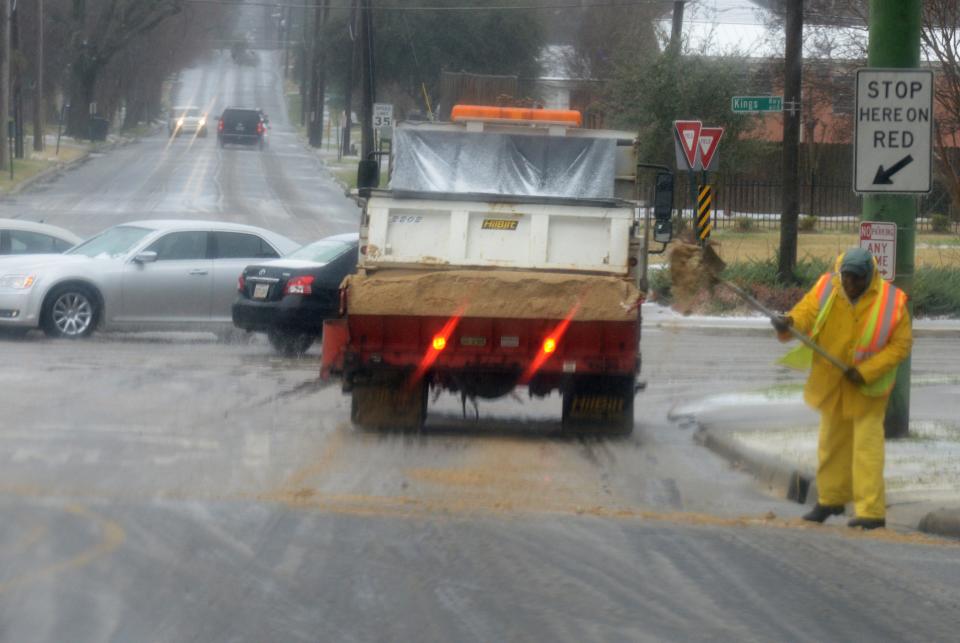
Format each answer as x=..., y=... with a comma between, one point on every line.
x=936, y=291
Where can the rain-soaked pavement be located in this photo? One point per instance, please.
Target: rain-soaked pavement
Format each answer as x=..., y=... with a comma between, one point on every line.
x=282, y=188
x=168, y=487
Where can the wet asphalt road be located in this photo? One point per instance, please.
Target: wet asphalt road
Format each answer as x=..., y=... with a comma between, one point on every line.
x=283, y=187
x=166, y=487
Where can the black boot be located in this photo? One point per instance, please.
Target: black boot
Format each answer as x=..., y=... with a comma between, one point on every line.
x=867, y=523
x=819, y=513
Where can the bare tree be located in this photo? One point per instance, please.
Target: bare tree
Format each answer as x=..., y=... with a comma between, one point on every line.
x=103, y=29
x=941, y=38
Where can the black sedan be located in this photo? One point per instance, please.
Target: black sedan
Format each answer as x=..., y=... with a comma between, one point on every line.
x=289, y=298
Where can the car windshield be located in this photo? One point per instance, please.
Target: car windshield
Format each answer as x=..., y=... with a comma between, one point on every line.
x=114, y=242
x=189, y=112
x=320, y=251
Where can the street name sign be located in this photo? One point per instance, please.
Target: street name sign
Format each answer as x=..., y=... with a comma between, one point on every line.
x=894, y=129
x=879, y=238
x=753, y=104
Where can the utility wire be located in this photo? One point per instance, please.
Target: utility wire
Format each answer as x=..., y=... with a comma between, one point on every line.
x=600, y=4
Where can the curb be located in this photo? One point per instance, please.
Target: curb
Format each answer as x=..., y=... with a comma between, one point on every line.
x=779, y=478
x=943, y=522
x=39, y=177
x=53, y=170
x=723, y=329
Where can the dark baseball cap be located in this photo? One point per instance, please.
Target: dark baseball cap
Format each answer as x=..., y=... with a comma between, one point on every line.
x=857, y=261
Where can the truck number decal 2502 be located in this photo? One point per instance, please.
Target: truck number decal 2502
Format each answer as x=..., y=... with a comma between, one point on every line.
x=499, y=224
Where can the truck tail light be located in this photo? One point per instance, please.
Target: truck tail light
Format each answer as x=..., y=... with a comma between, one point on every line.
x=299, y=286
x=549, y=345
x=220, y=125
x=437, y=344
x=260, y=127
x=241, y=282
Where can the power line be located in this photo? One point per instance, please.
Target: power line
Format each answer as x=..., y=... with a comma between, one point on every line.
x=607, y=4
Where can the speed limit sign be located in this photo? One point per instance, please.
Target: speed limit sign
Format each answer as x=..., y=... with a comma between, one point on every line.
x=382, y=115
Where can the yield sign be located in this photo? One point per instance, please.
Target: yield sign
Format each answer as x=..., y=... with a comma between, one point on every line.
x=688, y=133
x=696, y=145
x=709, y=140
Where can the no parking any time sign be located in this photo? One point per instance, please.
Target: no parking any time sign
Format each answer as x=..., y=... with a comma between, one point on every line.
x=880, y=239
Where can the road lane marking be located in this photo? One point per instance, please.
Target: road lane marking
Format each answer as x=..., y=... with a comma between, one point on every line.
x=112, y=537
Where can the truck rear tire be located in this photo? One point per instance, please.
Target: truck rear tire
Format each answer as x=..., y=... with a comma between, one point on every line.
x=381, y=407
x=598, y=405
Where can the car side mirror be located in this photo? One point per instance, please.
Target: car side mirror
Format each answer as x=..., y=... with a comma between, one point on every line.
x=663, y=208
x=147, y=256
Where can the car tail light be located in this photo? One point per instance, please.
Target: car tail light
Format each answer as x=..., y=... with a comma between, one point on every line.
x=299, y=286
x=220, y=125
x=241, y=282
x=259, y=128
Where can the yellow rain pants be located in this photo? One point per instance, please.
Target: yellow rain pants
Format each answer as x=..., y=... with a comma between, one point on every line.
x=850, y=457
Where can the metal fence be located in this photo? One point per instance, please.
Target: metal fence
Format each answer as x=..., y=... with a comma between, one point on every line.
x=742, y=203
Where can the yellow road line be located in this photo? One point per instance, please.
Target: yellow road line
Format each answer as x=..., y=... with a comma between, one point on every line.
x=112, y=536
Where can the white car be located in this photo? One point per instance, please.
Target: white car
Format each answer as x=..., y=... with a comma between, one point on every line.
x=145, y=274
x=18, y=237
x=184, y=120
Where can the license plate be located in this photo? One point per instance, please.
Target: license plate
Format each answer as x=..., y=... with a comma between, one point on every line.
x=260, y=291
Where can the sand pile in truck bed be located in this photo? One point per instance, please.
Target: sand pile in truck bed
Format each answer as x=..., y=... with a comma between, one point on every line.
x=486, y=293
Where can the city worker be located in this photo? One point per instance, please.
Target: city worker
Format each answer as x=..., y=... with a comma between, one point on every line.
x=862, y=320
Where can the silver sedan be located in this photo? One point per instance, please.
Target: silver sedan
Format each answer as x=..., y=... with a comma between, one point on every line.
x=145, y=274
x=20, y=237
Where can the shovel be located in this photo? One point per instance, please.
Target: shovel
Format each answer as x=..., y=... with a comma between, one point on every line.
x=715, y=265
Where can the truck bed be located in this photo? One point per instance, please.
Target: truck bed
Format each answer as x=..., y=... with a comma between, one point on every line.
x=488, y=231
x=498, y=294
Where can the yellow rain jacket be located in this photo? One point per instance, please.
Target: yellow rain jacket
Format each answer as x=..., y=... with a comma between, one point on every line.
x=839, y=334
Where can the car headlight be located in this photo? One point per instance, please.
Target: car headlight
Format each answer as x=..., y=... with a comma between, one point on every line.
x=179, y=122
x=202, y=122
x=17, y=282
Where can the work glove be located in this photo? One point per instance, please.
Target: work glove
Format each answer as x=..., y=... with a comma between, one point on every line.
x=782, y=323
x=854, y=376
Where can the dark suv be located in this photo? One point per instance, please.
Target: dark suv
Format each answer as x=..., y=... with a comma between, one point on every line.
x=246, y=126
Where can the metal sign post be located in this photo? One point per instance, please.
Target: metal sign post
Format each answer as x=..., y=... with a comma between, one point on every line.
x=11, y=130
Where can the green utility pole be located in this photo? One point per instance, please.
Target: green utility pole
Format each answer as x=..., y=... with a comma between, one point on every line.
x=895, y=43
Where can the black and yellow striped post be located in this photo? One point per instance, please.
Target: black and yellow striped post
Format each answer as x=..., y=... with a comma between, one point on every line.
x=704, y=211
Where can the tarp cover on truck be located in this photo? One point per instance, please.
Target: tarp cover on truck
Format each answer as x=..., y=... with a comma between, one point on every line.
x=497, y=163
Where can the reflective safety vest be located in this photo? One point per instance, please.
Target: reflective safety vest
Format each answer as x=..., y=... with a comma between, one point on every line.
x=884, y=315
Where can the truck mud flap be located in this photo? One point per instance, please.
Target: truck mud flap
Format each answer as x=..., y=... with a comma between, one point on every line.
x=378, y=406
x=599, y=405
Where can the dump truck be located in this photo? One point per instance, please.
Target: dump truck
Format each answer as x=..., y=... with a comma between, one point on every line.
x=509, y=251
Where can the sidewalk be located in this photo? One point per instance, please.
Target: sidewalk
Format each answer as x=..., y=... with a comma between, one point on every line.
x=778, y=443
x=657, y=316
